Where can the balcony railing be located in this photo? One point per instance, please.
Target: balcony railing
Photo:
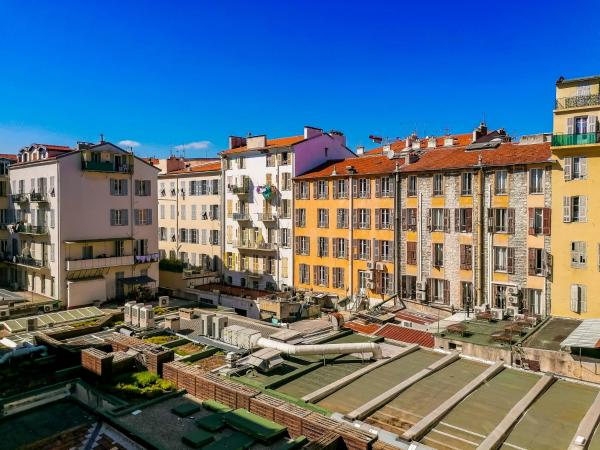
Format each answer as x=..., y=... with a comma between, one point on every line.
x=266, y=217
x=19, y=198
x=27, y=228
x=247, y=245
x=241, y=216
x=106, y=166
x=577, y=101
x=251, y=273
x=38, y=197
x=29, y=261
x=99, y=263
x=561, y=140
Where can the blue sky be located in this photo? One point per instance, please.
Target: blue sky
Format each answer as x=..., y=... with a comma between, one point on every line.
x=167, y=74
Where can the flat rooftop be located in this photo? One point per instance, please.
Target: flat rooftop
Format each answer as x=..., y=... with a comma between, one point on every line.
x=551, y=334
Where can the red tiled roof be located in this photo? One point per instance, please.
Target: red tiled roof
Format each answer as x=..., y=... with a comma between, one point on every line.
x=362, y=328
x=153, y=161
x=416, y=317
x=506, y=154
x=397, y=146
x=8, y=156
x=408, y=335
x=207, y=167
x=60, y=148
x=271, y=143
x=365, y=165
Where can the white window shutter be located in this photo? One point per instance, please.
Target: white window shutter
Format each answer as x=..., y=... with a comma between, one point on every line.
x=571, y=125
x=568, y=168
x=574, y=289
x=582, y=208
x=591, y=123
x=566, y=209
x=583, y=301
x=582, y=167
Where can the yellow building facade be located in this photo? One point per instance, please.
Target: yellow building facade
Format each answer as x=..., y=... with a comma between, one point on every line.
x=575, y=199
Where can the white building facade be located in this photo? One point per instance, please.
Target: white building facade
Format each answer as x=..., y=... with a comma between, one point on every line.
x=258, y=202
x=85, y=223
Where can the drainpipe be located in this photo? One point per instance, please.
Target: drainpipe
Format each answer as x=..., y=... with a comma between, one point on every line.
x=480, y=226
x=397, y=230
x=420, y=238
x=351, y=234
x=222, y=218
x=177, y=217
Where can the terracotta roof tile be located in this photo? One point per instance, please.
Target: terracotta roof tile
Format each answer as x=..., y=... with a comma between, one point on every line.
x=408, y=335
x=506, y=154
x=207, y=167
x=361, y=327
x=271, y=143
x=365, y=165
x=8, y=156
x=416, y=317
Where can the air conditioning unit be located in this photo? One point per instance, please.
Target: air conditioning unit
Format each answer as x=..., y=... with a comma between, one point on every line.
x=497, y=313
x=421, y=285
x=513, y=300
x=4, y=312
x=370, y=285
x=512, y=311
x=370, y=266
x=421, y=296
x=479, y=309
x=47, y=308
x=512, y=290
x=369, y=276
x=380, y=266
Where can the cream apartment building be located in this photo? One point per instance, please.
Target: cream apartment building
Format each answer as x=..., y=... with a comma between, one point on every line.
x=189, y=212
x=84, y=225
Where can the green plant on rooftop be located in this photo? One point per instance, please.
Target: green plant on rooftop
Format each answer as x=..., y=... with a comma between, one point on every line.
x=171, y=265
x=160, y=340
x=85, y=323
x=141, y=384
x=141, y=294
x=188, y=349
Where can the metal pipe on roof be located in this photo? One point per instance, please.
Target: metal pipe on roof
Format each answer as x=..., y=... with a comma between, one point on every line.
x=322, y=349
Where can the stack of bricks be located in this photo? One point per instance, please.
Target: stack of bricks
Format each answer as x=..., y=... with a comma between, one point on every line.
x=316, y=425
x=328, y=441
x=291, y=416
x=171, y=371
x=264, y=405
x=155, y=355
x=97, y=361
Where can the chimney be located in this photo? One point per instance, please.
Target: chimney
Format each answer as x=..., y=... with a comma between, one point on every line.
x=236, y=141
x=360, y=150
x=311, y=132
x=480, y=131
x=175, y=163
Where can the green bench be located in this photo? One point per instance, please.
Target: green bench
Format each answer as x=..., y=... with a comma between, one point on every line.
x=185, y=409
x=197, y=438
x=258, y=427
x=235, y=441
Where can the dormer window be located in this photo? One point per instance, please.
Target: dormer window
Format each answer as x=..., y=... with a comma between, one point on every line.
x=448, y=142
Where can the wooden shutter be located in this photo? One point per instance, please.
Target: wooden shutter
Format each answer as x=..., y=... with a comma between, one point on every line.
x=113, y=217
x=315, y=189
x=568, y=168
x=354, y=248
x=447, y=292
x=531, y=261
x=297, y=245
x=490, y=217
x=428, y=219
x=510, y=260
x=315, y=275
x=591, y=124
x=582, y=167
x=368, y=188
x=377, y=187
x=377, y=218
x=355, y=188
x=447, y=220
x=532, y=221
x=334, y=276
x=354, y=218
x=334, y=248
x=469, y=220
x=368, y=249
x=571, y=125
x=510, y=214
x=574, y=298
x=566, y=209
x=546, y=221
x=368, y=218
x=335, y=191
x=582, y=208
x=462, y=256
x=457, y=220
x=376, y=244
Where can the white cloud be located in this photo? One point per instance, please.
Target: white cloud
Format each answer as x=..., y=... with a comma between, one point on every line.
x=198, y=145
x=129, y=143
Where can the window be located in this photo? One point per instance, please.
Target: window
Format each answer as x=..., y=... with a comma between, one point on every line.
x=575, y=168
x=466, y=294
x=438, y=219
x=162, y=234
x=342, y=218
x=284, y=158
x=143, y=216
x=466, y=257
x=304, y=273
x=411, y=189
x=504, y=259
x=539, y=221
x=385, y=250
x=463, y=220
x=118, y=187
x=364, y=187
x=302, y=245
x=363, y=218
x=322, y=218
x=340, y=248
x=439, y=290
x=536, y=262
x=271, y=159
x=438, y=184
x=143, y=188
x=301, y=217
x=575, y=209
x=466, y=183
x=140, y=247
x=438, y=255
x=182, y=214
x=536, y=181
x=533, y=301
x=193, y=236
x=409, y=219
x=323, y=246
x=340, y=189
x=383, y=218
x=87, y=252
x=578, y=254
x=321, y=189
x=411, y=253
x=500, y=182
x=385, y=283
x=172, y=212
x=338, y=277
x=409, y=287
x=501, y=220
x=241, y=162
x=384, y=187
x=286, y=237
x=321, y=274
x=286, y=209
x=119, y=217
x=286, y=181
x=581, y=125
x=578, y=299
x=302, y=192
x=499, y=295
x=362, y=249
x=364, y=277
x=213, y=237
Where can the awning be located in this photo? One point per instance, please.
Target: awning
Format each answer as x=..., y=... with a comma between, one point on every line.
x=586, y=335
x=142, y=279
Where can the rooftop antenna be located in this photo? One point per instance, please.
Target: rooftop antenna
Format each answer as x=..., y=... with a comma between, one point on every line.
x=101, y=138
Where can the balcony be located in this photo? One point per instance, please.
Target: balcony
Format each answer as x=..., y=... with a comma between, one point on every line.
x=149, y=258
x=241, y=216
x=19, y=198
x=251, y=273
x=106, y=166
x=41, y=197
x=30, y=262
x=239, y=190
x=578, y=101
x=99, y=263
x=267, y=217
x=261, y=246
x=563, y=140
x=27, y=228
